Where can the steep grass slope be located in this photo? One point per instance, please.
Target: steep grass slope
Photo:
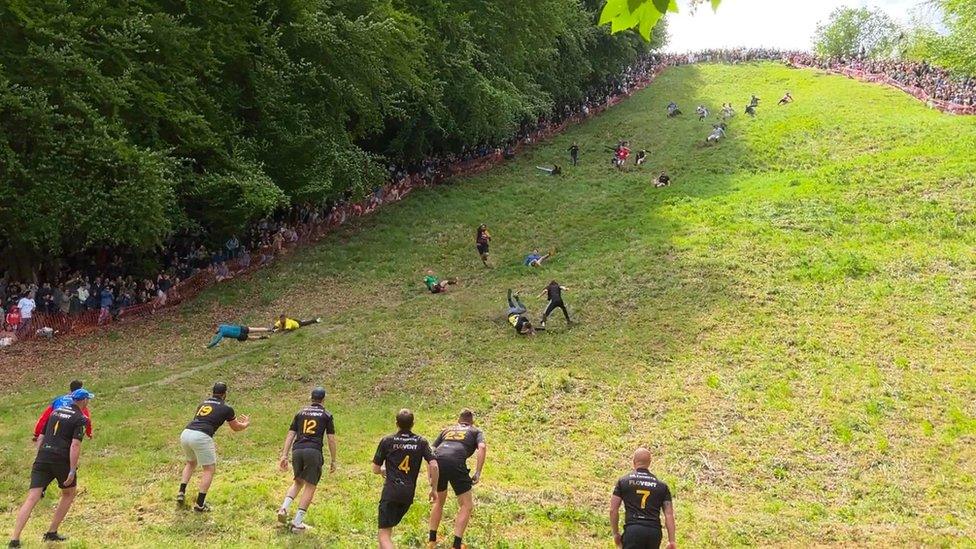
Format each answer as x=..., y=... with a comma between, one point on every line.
x=788, y=328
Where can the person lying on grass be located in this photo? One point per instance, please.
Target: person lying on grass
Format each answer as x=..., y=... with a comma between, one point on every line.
x=534, y=259
x=289, y=325
x=718, y=132
x=238, y=332
x=435, y=285
x=554, y=170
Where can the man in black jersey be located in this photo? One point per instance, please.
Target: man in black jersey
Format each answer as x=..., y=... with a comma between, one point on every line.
x=554, y=292
x=58, y=452
x=644, y=497
x=452, y=448
x=574, y=153
x=398, y=458
x=198, y=444
x=310, y=427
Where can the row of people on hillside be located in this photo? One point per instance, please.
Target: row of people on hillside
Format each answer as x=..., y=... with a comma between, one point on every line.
x=398, y=459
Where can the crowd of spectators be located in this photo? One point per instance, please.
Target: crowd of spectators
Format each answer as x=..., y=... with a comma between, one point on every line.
x=937, y=83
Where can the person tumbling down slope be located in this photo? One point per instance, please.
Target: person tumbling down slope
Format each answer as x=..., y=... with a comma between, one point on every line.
x=436, y=285
x=516, y=316
x=238, y=332
x=534, y=259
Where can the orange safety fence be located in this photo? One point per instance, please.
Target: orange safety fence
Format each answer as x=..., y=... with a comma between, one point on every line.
x=62, y=324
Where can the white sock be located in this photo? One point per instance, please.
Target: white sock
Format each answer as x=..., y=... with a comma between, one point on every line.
x=287, y=503
x=299, y=517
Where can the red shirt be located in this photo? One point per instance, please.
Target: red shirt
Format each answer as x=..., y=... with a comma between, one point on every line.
x=42, y=421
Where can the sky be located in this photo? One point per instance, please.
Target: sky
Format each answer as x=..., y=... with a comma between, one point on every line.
x=780, y=24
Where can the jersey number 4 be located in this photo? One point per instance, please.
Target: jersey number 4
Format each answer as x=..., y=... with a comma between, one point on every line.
x=405, y=465
x=308, y=426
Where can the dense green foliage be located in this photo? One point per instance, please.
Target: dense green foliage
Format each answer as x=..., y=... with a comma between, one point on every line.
x=788, y=327
x=124, y=122
x=852, y=31
x=955, y=50
x=642, y=15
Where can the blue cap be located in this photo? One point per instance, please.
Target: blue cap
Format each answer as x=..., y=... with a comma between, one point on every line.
x=81, y=394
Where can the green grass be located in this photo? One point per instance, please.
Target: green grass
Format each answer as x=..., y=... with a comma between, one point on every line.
x=788, y=327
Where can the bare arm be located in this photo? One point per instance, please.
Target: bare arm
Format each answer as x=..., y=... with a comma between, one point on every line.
x=482, y=454
x=332, y=453
x=283, y=458
x=615, y=518
x=73, y=455
x=378, y=469
x=669, y=523
x=433, y=475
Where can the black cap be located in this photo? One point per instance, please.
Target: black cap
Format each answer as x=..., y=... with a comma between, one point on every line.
x=220, y=388
x=318, y=393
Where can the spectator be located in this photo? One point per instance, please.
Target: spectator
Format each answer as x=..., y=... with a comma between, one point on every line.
x=106, y=300
x=26, y=307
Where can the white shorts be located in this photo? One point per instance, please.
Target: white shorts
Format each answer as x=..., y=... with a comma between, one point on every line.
x=199, y=447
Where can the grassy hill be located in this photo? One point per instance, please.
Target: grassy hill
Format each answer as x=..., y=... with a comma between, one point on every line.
x=788, y=327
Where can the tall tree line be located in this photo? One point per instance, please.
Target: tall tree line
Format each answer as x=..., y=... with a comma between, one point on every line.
x=123, y=122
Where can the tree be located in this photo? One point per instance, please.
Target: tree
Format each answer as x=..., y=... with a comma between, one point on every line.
x=857, y=32
x=642, y=15
x=953, y=49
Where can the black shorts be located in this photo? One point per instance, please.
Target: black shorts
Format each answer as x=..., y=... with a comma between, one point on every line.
x=307, y=464
x=482, y=247
x=640, y=536
x=43, y=473
x=457, y=474
x=391, y=513
x=244, y=331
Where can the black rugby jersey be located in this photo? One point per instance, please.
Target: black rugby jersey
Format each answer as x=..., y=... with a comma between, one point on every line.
x=458, y=443
x=211, y=414
x=644, y=496
x=66, y=424
x=312, y=424
x=401, y=453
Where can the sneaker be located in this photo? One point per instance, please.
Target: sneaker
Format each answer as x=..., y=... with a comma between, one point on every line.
x=181, y=498
x=14, y=543
x=54, y=536
x=300, y=528
x=282, y=516
x=318, y=320
x=205, y=508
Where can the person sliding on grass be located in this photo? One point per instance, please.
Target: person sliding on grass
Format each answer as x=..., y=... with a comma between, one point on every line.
x=535, y=260
x=516, y=316
x=673, y=110
x=641, y=157
x=702, y=112
x=288, y=324
x=437, y=286
x=198, y=443
x=481, y=240
x=786, y=99
x=554, y=170
x=554, y=292
x=238, y=332
x=718, y=132
x=311, y=426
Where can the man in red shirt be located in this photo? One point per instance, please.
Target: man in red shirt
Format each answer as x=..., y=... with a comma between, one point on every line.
x=57, y=403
